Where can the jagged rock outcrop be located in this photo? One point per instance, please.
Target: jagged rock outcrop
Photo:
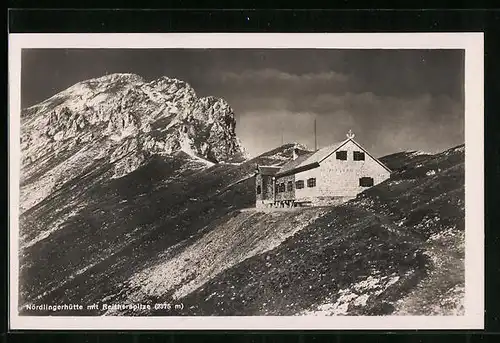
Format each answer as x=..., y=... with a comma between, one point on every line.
x=123, y=120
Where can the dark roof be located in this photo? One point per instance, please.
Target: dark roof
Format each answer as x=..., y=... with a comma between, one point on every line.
x=309, y=160
x=268, y=170
x=295, y=163
x=323, y=153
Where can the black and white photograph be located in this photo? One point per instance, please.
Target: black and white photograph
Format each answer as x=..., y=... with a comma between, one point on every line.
x=268, y=186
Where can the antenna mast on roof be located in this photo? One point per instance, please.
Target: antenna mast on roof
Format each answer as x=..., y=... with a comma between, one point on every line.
x=315, y=136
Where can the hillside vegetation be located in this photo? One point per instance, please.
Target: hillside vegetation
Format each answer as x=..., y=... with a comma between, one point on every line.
x=111, y=228
x=177, y=231
x=396, y=249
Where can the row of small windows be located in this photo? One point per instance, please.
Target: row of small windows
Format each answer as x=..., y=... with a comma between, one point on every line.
x=310, y=183
x=356, y=155
x=340, y=155
x=280, y=188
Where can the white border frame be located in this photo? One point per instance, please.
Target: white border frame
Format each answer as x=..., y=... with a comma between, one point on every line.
x=472, y=43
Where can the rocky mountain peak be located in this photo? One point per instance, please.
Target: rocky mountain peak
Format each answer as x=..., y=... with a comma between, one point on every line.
x=170, y=85
x=121, y=119
x=115, y=78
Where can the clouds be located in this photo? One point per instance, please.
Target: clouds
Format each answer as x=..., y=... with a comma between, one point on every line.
x=383, y=123
x=274, y=75
x=272, y=103
x=392, y=99
x=269, y=82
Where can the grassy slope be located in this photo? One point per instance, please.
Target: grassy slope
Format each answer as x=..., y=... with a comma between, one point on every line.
x=398, y=248
x=227, y=242
x=116, y=227
x=170, y=229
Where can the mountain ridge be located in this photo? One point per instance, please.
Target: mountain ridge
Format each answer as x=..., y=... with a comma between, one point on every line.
x=125, y=118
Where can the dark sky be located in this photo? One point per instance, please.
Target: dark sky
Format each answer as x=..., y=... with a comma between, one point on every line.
x=393, y=100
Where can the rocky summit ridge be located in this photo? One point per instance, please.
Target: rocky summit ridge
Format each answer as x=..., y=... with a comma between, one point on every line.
x=120, y=119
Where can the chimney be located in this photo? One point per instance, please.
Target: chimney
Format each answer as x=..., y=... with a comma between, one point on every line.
x=295, y=153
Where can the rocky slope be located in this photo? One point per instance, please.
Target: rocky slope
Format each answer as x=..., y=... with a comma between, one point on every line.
x=396, y=249
x=176, y=231
x=121, y=120
x=114, y=227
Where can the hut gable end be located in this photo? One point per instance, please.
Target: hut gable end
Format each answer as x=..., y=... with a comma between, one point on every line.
x=361, y=149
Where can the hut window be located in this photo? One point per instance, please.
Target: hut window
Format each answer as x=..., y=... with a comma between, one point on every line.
x=289, y=186
x=366, y=181
x=299, y=184
x=358, y=156
x=311, y=182
x=282, y=187
x=259, y=189
x=341, y=155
